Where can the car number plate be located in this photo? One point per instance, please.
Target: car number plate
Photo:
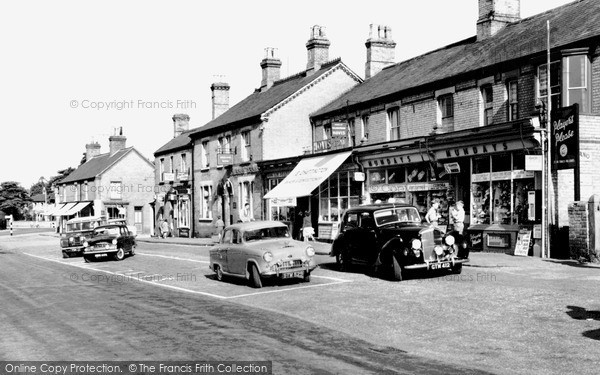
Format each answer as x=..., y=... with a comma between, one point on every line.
x=100, y=255
x=292, y=275
x=437, y=266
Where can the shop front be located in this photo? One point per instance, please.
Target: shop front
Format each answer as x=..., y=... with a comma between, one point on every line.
x=318, y=189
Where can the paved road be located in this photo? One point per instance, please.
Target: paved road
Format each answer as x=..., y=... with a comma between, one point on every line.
x=165, y=304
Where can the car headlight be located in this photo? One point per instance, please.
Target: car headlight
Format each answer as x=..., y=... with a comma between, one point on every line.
x=416, y=243
x=86, y=244
x=438, y=250
x=71, y=239
x=268, y=256
x=114, y=241
x=310, y=251
x=450, y=240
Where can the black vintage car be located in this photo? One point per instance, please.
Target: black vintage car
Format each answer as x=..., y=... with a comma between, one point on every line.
x=392, y=239
x=109, y=240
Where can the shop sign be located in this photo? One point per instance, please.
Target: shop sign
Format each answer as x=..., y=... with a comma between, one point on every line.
x=183, y=176
x=224, y=159
x=428, y=186
x=477, y=150
x=499, y=176
x=330, y=144
x=168, y=176
x=283, y=202
x=519, y=173
x=246, y=169
x=359, y=176
x=564, y=136
x=533, y=163
x=396, y=160
x=387, y=188
x=339, y=130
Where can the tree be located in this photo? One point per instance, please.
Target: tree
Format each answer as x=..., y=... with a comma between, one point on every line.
x=14, y=199
x=37, y=188
x=61, y=174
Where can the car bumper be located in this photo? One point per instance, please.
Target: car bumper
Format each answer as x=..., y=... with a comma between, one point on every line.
x=73, y=249
x=435, y=265
x=289, y=272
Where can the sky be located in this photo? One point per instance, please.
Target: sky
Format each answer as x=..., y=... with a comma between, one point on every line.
x=73, y=71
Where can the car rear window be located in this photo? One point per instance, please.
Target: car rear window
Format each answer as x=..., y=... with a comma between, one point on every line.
x=266, y=233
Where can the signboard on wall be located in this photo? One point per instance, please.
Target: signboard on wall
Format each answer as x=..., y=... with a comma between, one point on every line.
x=523, y=240
x=283, y=202
x=564, y=136
x=224, y=159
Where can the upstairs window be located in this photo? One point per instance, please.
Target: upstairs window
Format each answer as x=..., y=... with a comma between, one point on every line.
x=365, y=127
x=487, y=94
x=393, y=124
x=204, y=152
x=446, y=103
x=576, y=76
x=245, y=149
x=513, y=100
x=555, y=84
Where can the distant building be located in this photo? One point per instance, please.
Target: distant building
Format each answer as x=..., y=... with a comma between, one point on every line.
x=116, y=184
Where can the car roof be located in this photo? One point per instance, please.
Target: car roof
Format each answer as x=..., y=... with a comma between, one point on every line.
x=109, y=226
x=254, y=225
x=85, y=219
x=379, y=206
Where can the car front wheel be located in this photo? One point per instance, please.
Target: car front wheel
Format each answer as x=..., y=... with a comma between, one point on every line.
x=343, y=262
x=120, y=254
x=306, y=277
x=255, y=281
x=397, y=269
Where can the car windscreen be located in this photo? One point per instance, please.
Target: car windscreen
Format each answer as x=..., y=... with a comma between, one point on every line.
x=110, y=231
x=73, y=227
x=397, y=215
x=266, y=233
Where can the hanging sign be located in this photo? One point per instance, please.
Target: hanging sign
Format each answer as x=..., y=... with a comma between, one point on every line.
x=564, y=136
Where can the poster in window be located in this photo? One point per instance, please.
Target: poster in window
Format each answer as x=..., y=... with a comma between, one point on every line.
x=564, y=136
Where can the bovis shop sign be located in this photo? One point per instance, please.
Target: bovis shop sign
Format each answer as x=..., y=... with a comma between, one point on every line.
x=564, y=136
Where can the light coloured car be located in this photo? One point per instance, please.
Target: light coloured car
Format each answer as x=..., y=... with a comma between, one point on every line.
x=261, y=249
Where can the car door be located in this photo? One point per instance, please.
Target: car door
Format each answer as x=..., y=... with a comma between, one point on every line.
x=126, y=239
x=236, y=255
x=222, y=250
x=365, y=240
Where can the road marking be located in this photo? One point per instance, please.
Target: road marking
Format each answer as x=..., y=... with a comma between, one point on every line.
x=172, y=257
x=87, y=266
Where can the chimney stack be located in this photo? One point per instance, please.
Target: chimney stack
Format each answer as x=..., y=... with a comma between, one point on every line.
x=270, y=69
x=494, y=15
x=92, y=149
x=220, y=98
x=380, y=49
x=116, y=142
x=181, y=123
x=318, y=49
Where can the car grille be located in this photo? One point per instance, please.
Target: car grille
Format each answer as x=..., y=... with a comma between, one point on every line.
x=103, y=246
x=428, y=239
x=291, y=264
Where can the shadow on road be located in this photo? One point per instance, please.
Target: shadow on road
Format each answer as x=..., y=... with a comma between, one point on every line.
x=573, y=263
x=580, y=313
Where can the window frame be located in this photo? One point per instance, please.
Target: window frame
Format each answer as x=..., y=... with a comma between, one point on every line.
x=393, y=133
x=512, y=101
x=487, y=96
x=443, y=105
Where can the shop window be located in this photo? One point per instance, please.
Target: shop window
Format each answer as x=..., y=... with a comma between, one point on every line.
x=336, y=194
x=481, y=165
x=393, y=121
x=205, y=202
x=377, y=177
x=577, y=82
x=280, y=213
x=487, y=95
x=245, y=194
x=418, y=173
x=396, y=175
x=555, y=84
x=481, y=203
x=513, y=100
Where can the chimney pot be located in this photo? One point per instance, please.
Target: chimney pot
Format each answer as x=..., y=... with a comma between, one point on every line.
x=117, y=142
x=91, y=150
x=271, y=66
x=181, y=123
x=380, y=49
x=318, y=49
x=220, y=98
x=494, y=15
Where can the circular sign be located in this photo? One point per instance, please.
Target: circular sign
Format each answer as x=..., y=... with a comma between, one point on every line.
x=563, y=150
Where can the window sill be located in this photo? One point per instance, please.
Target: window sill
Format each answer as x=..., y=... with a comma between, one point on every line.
x=205, y=220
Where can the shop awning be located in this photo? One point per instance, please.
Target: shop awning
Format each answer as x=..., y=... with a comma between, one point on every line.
x=51, y=210
x=76, y=208
x=307, y=175
x=66, y=207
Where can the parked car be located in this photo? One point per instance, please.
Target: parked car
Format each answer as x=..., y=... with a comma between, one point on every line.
x=392, y=239
x=131, y=228
x=109, y=240
x=261, y=249
x=77, y=231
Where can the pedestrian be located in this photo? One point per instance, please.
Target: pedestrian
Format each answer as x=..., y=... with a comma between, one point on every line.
x=458, y=215
x=246, y=214
x=220, y=225
x=308, y=231
x=432, y=216
x=164, y=229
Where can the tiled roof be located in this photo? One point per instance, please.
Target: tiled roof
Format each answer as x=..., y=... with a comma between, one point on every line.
x=260, y=101
x=181, y=141
x=568, y=24
x=93, y=167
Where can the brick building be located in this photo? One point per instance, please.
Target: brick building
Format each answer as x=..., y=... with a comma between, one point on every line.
x=117, y=184
x=271, y=123
x=458, y=122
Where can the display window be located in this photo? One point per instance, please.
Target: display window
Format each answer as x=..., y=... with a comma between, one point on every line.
x=338, y=193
